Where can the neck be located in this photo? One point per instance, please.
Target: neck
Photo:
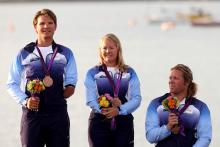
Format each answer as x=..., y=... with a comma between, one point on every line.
x=109, y=64
x=180, y=96
x=44, y=43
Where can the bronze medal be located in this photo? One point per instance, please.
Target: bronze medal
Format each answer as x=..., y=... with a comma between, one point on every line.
x=48, y=81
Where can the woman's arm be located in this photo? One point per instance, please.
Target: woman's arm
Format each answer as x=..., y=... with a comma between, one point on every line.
x=154, y=133
x=134, y=96
x=204, y=128
x=91, y=92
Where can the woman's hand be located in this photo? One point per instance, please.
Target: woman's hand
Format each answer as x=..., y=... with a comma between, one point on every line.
x=175, y=129
x=172, y=122
x=110, y=112
x=116, y=102
x=33, y=103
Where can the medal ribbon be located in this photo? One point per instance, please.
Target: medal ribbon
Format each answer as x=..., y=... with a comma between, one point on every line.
x=47, y=70
x=178, y=113
x=115, y=87
x=186, y=106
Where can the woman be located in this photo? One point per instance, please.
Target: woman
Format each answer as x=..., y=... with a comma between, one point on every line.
x=112, y=125
x=45, y=119
x=187, y=123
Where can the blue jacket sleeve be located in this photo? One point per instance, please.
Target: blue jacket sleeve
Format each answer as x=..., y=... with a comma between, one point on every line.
x=154, y=132
x=134, y=96
x=14, y=80
x=204, y=128
x=70, y=71
x=91, y=92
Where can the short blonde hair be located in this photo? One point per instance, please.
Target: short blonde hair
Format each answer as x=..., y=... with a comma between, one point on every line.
x=120, y=61
x=48, y=12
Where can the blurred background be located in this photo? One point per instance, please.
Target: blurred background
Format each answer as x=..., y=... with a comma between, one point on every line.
x=155, y=36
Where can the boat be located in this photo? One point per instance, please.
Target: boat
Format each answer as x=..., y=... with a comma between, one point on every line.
x=206, y=24
x=202, y=19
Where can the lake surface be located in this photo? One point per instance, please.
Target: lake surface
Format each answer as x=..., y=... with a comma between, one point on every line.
x=148, y=49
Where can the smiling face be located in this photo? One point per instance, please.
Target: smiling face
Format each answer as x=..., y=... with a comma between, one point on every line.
x=177, y=84
x=45, y=28
x=109, y=52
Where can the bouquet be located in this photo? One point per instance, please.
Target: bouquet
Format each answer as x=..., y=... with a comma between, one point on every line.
x=35, y=87
x=171, y=104
x=105, y=102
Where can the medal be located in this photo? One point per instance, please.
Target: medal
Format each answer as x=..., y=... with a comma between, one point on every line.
x=48, y=81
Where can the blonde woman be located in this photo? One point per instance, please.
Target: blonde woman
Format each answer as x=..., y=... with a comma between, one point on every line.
x=189, y=125
x=111, y=125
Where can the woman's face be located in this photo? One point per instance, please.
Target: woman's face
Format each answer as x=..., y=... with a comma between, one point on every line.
x=109, y=52
x=45, y=27
x=177, y=83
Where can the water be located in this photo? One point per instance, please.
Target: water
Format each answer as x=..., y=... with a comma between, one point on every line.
x=148, y=49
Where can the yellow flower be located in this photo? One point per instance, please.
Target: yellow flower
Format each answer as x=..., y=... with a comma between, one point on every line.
x=35, y=86
x=103, y=101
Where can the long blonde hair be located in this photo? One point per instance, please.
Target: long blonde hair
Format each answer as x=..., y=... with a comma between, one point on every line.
x=119, y=61
x=188, y=77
